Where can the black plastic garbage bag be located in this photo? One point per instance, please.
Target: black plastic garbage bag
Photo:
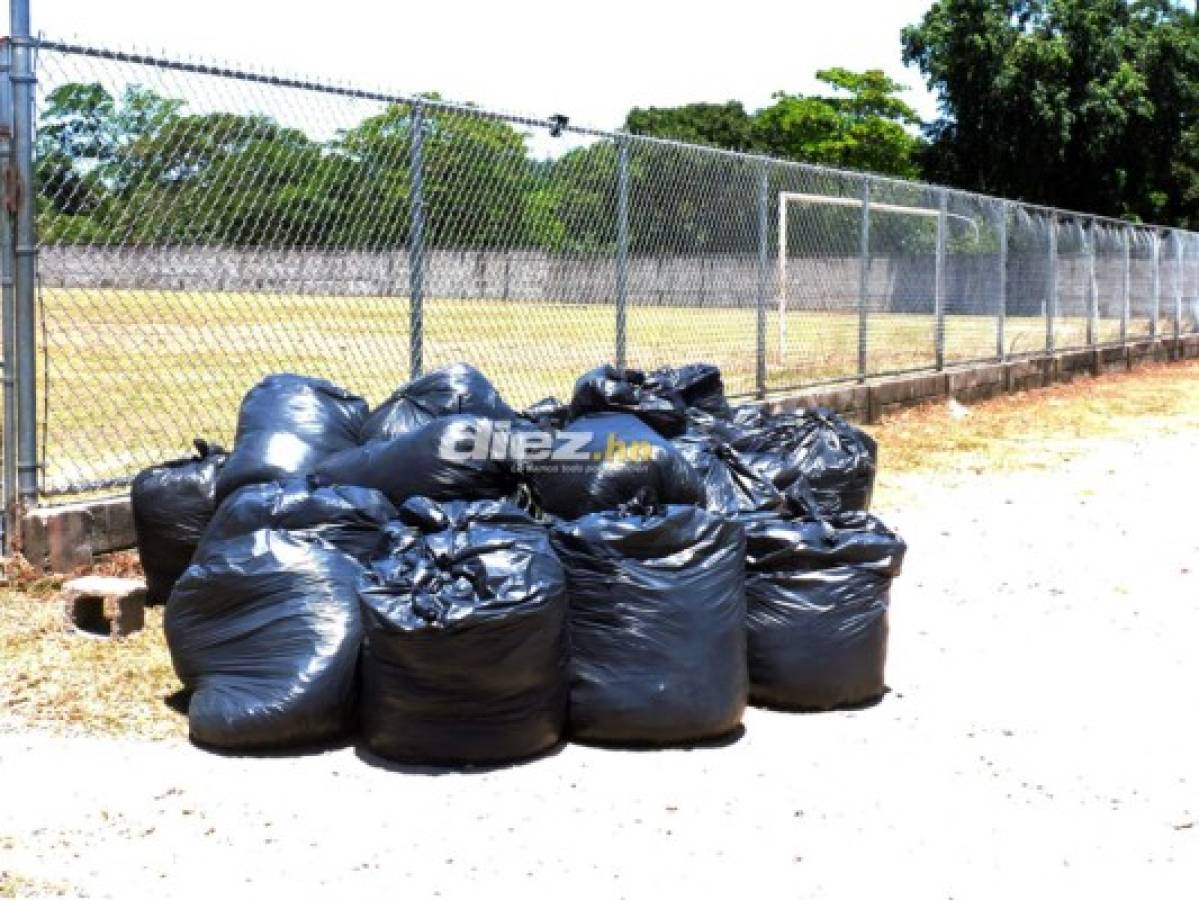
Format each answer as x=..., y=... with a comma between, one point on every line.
x=449, y=458
x=454, y=389
x=264, y=629
x=837, y=460
x=350, y=518
x=613, y=459
x=287, y=424
x=699, y=385
x=431, y=516
x=657, y=624
x=608, y=389
x=731, y=485
x=172, y=504
x=549, y=412
x=817, y=596
x=465, y=656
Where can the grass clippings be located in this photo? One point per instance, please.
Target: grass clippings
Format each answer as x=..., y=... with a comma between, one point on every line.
x=1041, y=428
x=56, y=678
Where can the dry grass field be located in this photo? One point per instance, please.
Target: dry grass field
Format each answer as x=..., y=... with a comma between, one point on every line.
x=128, y=378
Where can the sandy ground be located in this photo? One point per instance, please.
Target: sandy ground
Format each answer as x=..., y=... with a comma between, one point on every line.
x=1041, y=738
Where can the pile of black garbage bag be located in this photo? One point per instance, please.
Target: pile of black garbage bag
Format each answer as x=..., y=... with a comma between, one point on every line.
x=460, y=583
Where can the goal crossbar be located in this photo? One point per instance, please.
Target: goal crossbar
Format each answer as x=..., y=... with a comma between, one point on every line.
x=788, y=197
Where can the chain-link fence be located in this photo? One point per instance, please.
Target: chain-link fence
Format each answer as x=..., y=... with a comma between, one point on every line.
x=201, y=227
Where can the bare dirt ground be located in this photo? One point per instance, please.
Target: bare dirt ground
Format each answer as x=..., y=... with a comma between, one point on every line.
x=1040, y=740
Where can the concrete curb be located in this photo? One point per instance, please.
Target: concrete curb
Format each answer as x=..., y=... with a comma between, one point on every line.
x=870, y=401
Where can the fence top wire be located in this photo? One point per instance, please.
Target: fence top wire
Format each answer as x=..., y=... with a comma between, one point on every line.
x=298, y=82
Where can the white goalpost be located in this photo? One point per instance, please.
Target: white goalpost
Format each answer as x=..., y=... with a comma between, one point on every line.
x=786, y=198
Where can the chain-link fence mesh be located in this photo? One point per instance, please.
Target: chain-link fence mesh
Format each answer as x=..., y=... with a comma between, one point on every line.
x=816, y=238
x=200, y=228
x=975, y=267
x=1142, y=281
x=1190, y=296
x=692, y=264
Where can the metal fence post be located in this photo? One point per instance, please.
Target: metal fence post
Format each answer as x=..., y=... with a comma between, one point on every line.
x=864, y=282
x=1001, y=299
x=1178, y=284
x=1092, y=287
x=25, y=255
x=1126, y=292
x=939, y=279
x=763, y=273
x=1155, y=311
x=1051, y=295
x=416, y=245
x=8, y=520
x=622, y=252
x=782, y=276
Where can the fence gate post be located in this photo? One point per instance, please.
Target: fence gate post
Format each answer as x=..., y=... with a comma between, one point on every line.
x=25, y=255
x=8, y=521
x=622, y=252
x=939, y=278
x=1092, y=287
x=864, y=282
x=1051, y=296
x=1126, y=293
x=416, y=245
x=1001, y=299
x=763, y=273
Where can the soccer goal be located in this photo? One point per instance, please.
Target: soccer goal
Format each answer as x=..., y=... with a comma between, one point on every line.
x=789, y=198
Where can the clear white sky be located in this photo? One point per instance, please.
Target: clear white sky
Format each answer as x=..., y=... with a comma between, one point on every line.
x=591, y=60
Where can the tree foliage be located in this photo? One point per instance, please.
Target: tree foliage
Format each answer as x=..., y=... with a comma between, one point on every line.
x=1085, y=104
x=862, y=124
x=140, y=168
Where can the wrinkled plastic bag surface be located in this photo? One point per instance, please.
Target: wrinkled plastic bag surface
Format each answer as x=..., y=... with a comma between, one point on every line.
x=549, y=412
x=607, y=389
x=731, y=485
x=698, y=385
x=837, y=460
x=264, y=629
x=657, y=624
x=817, y=596
x=172, y=505
x=619, y=459
x=287, y=424
x=448, y=458
x=465, y=655
x=459, y=388
x=350, y=518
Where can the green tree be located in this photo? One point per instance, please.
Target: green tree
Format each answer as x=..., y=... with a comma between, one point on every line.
x=583, y=185
x=862, y=125
x=480, y=186
x=216, y=178
x=1086, y=104
x=725, y=125
x=75, y=139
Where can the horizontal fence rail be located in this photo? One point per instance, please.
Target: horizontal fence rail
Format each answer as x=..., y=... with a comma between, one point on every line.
x=201, y=227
